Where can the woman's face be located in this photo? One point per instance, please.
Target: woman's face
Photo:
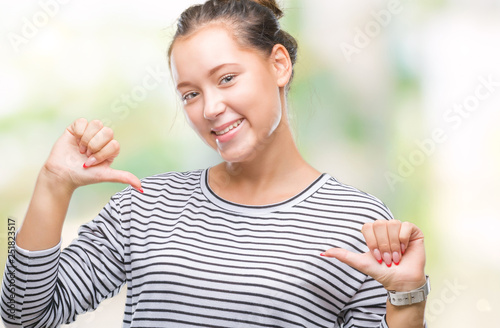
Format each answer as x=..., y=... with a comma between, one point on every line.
x=231, y=95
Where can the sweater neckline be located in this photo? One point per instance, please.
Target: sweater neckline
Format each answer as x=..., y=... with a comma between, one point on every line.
x=259, y=209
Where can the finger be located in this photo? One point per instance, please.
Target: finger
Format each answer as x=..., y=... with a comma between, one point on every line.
x=404, y=235
x=360, y=262
x=106, y=153
x=382, y=236
x=371, y=241
x=122, y=177
x=393, y=228
x=91, y=130
x=100, y=140
x=77, y=128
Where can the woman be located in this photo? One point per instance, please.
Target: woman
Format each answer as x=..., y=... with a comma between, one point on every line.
x=260, y=240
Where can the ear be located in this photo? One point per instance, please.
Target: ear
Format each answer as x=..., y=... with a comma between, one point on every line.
x=282, y=64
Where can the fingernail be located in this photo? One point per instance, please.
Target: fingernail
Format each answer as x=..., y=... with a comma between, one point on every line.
x=141, y=190
x=377, y=255
x=322, y=254
x=83, y=149
x=387, y=259
x=91, y=161
x=396, y=258
x=402, y=249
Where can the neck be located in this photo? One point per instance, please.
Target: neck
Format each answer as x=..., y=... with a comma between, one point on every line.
x=270, y=161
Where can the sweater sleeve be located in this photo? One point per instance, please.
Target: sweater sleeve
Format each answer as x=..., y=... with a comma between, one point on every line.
x=367, y=307
x=50, y=287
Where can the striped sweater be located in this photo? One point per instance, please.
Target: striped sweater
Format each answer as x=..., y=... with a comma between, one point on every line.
x=191, y=259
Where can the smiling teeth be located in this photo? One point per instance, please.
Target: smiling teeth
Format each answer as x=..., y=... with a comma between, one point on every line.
x=229, y=128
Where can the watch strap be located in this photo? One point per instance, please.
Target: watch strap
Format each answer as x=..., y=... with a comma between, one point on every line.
x=411, y=297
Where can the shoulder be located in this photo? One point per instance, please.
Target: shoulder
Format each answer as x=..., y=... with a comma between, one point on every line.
x=187, y=177
x=172, y=181
x=345, y=209
x=168, y=181
x=352, y=201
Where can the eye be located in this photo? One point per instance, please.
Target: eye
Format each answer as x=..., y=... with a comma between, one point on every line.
x=227, y=78
x=188, y=96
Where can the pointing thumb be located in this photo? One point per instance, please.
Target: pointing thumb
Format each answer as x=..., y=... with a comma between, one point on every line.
x=360, y=262
x=124, y=177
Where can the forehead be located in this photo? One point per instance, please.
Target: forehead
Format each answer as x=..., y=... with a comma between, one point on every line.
x=209, y=47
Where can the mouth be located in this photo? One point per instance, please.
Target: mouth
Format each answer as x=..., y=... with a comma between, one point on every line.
x=228, y=128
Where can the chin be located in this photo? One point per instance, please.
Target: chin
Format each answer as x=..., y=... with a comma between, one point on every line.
x=238, y=155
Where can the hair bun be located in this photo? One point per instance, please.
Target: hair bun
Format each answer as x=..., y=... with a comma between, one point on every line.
x=272, y=5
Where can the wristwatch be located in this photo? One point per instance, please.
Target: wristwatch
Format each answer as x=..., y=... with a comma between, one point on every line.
x=413, y=296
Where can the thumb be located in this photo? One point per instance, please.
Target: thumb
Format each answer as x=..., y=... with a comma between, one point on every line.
x=360, y=262
x=124, y=177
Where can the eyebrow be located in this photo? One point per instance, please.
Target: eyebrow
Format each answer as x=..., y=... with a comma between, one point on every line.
x=210, y=73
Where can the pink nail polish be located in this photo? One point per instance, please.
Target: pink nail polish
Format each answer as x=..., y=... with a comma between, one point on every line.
x=387, y=259
x=91, y=161
x=322, y=254
x=396, y=258
x=377, y=255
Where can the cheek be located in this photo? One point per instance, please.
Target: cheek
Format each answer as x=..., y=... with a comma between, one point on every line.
x=241, y=97
x=194, y=120
x=257, y=99
x=198, y=123
x=191, y=119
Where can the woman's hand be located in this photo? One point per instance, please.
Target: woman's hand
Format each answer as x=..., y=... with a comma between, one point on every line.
x=83, y=155
x=396, y=258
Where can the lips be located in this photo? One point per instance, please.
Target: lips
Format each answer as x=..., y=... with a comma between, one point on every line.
x=226, y=128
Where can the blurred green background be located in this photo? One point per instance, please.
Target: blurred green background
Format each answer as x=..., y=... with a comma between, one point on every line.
x=398, y=98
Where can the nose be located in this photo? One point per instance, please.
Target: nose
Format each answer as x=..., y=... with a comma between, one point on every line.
x=214, y=106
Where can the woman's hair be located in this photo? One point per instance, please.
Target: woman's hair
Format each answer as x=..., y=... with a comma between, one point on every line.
x=254, y=24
